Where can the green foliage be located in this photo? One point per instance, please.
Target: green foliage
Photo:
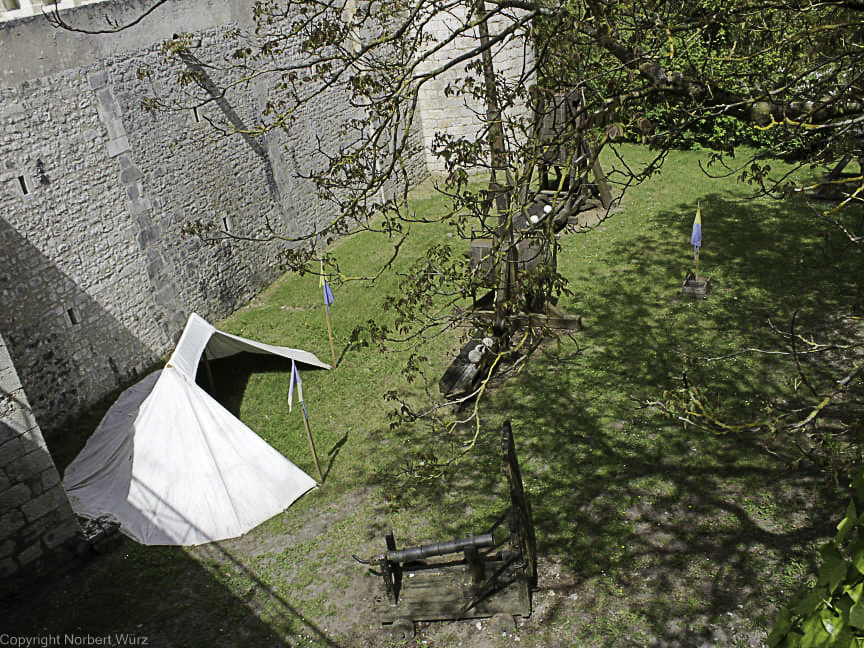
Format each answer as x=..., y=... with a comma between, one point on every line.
x=716, y=133
x=831, y=612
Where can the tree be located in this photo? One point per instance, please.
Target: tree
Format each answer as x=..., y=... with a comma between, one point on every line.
x=783, y=76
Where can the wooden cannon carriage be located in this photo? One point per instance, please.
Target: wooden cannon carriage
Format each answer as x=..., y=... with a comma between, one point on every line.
x=561, y=149
x=569, y=156
x=477, y=576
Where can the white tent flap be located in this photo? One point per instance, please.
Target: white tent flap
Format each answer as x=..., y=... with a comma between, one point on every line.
x=173, y=465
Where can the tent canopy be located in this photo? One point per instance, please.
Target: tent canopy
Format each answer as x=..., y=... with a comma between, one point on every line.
x=173, y=466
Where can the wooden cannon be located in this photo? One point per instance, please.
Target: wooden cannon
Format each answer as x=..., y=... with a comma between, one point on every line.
x=478, y=576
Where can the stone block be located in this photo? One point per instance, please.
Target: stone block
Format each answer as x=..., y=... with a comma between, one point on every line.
x=10, y=523
x=58, y=535
x=30, y=554
x=33, y=438
x=115, y=128
x=44, y=504
x=118, y=146
x=14, y=497
x=32, y=533
x=7, y=548
x=12, y=109
x=7, y=568
x=30, y=465
x=98, y=80
x=20, y=419
x=49, y=478
x=11, y=451
x=130, y=174
x=11, y=386
x=106, y=100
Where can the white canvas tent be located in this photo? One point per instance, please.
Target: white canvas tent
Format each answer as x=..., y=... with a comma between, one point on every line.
x=173, y=465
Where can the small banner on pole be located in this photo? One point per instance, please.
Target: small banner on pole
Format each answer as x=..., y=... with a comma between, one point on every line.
x=328, y=301
x=295, y=380
x=696, y=236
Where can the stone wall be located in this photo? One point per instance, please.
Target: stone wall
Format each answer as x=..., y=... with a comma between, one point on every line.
x=96, y=275
x=463, y=116
x=37, y=525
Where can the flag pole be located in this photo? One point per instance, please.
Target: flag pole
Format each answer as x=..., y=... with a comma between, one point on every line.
x=311, y=441
x=328, y=299
x=295, y=380
x=329, y=330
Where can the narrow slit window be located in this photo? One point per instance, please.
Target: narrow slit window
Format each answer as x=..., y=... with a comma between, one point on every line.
x=196, y=114
x=74, y=319
x=226, y=224
x=22, y=182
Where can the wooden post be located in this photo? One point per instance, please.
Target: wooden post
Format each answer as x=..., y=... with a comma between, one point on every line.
x=311, y=442
x=207, y=370
x=330, y=332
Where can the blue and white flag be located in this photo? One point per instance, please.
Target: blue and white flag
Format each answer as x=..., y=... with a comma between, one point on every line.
x=295, y=379
x=328, y=295
x=696, y=236
x=325, y=285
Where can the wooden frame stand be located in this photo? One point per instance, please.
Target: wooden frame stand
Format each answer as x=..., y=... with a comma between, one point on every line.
x=474, y=577
x=696, y=287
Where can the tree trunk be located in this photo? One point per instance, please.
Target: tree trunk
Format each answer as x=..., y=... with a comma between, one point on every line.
x=504, y=242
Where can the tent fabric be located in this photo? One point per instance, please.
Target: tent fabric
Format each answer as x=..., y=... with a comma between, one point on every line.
x=173, y=466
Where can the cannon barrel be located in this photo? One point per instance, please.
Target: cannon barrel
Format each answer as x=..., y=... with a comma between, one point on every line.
x=439, y=548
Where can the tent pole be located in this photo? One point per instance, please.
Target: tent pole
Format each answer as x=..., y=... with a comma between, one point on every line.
x=330, y=335
x=312, y=443
x=211, y=383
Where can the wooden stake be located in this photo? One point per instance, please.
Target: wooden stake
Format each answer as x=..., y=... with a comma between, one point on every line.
x=209, y=373
x=312, y=443
x=330, y=332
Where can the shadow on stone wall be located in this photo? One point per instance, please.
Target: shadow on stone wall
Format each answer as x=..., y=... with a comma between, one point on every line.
x=68, y=350
x=38, y=529
x=217, y=95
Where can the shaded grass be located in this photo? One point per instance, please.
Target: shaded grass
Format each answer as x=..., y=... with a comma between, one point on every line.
x=649, y=532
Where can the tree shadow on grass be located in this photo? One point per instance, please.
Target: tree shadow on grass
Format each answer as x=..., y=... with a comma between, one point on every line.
x=693, y=533
x=664, y=534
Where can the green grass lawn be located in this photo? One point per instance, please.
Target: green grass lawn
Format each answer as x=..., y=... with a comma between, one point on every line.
x=650, y=532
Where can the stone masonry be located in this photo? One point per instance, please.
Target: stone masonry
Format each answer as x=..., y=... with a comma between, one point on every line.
x=96, y=275
x=463, y=116
x=37, y=525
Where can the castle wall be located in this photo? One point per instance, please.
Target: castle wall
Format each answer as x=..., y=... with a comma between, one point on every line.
x=37, y=525
x=464, y=115
x=96, y=275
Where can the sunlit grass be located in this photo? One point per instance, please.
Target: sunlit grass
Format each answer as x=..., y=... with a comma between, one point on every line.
x=654, y=529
